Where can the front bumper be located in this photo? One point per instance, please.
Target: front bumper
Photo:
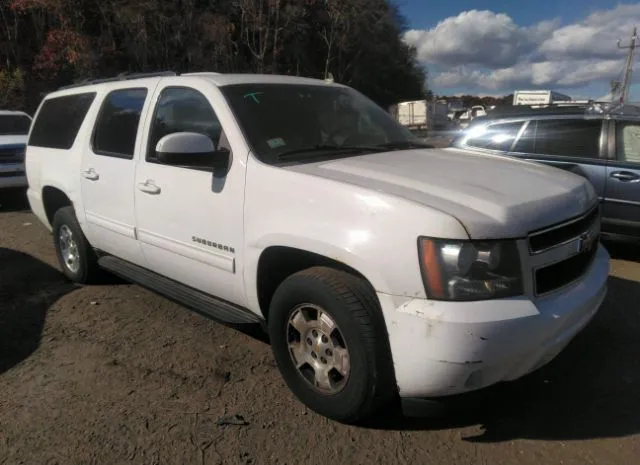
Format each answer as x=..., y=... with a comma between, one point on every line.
x=447, y=348
x=12, y=175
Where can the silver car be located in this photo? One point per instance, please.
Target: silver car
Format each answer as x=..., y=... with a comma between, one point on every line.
x=599, y=142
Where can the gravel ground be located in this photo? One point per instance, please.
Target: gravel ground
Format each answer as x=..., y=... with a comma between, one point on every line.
x=114, y=374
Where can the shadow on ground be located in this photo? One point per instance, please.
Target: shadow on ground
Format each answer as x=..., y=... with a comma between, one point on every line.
x=591, y=390
x=28, y=288
x=623, y=250
x=13, y=200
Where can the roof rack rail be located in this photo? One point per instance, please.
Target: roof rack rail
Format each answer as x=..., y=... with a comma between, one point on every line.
x=120, y=77
x=576, y=108
x=527, y=110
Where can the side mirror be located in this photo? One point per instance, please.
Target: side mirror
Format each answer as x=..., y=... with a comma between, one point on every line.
x=190, y=149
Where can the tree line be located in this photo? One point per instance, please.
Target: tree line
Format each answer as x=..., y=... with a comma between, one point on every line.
x=467, y=101
x=48, y=43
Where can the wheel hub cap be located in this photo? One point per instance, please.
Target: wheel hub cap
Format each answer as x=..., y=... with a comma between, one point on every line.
x=69, y=249
x=318, y=349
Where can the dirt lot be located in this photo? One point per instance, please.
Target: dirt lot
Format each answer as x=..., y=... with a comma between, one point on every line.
x=114, y=374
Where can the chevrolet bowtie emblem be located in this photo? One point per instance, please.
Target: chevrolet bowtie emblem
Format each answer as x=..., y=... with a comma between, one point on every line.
x=585, y=241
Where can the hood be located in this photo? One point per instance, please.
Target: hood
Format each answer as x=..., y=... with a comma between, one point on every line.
x=493, y=196
x=13, y=140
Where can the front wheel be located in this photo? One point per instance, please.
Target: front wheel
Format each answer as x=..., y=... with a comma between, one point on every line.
x=328, y=339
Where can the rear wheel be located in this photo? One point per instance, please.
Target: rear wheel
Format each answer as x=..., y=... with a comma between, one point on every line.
x=329, y=342
x=75, y=255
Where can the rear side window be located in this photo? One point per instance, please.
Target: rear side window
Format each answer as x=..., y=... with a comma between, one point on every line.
x=495, y=137
x=628, y=143
x=568, y=138
x=59, y=120
x=117, y=124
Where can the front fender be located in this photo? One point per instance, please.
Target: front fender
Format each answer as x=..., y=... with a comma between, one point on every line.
x=373, y=232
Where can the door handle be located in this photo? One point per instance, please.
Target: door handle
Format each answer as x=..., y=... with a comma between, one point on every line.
x=625, y=176
x=91, y=174
x=149, y=187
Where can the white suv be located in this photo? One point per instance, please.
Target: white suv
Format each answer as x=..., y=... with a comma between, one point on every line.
x=378, y=267
x=14, y=128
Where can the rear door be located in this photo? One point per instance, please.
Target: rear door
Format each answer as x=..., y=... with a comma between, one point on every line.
x=571, y=144
x=622, y=197
x=108, y=169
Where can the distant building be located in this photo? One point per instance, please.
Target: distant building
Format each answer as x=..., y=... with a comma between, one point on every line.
x=538, y=97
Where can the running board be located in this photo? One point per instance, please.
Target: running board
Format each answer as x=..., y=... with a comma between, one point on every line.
x=210, y=306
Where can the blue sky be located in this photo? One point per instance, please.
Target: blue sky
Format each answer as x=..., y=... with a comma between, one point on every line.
x=492, y=47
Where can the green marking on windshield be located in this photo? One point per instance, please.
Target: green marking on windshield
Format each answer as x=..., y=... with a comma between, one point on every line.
x=254, y=96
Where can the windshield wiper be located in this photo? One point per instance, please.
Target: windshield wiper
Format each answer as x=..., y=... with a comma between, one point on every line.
x=331, y=149
x=405, y=144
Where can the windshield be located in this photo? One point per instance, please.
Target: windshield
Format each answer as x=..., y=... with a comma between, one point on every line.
x=306, y=121
x=14, y=125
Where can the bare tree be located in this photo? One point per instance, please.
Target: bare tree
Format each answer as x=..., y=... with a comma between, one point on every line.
x=256, y=29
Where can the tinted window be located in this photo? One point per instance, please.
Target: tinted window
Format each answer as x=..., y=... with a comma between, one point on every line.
x=495, y=136
x=13, y=125
x=59, y=120
x=181, y=109
x=310, y=120
x=117, y=125
x=525, y=143
x=628, y=142
x=570, y=138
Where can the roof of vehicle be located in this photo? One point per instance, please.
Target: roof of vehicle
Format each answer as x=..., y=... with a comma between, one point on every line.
x=587, y=110
x=12, y=112
x=217, y=78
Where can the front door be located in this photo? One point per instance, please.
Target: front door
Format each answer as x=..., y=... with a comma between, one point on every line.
x=570, y=144
x=622, y=198
x=107, y=174
x=190, y=220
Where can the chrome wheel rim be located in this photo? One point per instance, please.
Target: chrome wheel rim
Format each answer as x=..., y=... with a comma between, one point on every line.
x=69, y=249
x=318, y=349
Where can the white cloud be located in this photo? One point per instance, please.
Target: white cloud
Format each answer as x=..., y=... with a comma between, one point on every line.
x=595, y=36
x=487, y=50
x=541, y=74
x=477, y=37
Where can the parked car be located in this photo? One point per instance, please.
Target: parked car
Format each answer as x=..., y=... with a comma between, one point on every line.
x=598, y=142
x=378, y=267
x=14, y=128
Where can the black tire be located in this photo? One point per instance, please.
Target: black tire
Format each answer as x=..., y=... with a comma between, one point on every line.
x=354, y=307
x=87, y=271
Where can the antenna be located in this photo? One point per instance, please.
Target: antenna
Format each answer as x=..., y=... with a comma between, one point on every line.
x=626, y=82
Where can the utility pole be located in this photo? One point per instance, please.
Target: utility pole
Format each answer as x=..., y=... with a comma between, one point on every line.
x=626, y=82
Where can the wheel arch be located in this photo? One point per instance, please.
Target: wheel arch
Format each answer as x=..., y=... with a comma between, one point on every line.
x=53, y=199
x=278, y=262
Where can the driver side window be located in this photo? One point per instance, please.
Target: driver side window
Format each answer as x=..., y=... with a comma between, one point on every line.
x=181, y=109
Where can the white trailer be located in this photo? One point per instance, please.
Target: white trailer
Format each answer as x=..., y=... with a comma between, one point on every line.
x=421, y=115
x=538, y=97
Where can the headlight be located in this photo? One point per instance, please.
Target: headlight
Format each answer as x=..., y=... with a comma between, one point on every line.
x=470, y=270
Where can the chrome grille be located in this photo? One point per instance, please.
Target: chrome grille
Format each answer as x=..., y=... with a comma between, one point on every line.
x=12, y=154
x=569, y=247
x=554, y=236
x=561, y=274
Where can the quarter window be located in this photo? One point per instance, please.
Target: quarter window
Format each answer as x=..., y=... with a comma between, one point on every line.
x=495, y=137
x=59, y=120
x=117, y=125
x=628, y=142
x=183, y=109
